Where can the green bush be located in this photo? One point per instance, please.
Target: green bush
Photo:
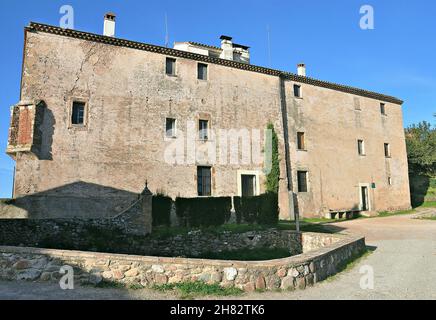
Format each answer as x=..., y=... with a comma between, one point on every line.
x=161, y=208
x=263, y=209
x=203, y=212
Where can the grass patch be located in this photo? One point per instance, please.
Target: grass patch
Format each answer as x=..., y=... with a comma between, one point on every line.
x=165, y=232
x=108, y=284
x=257, y=254
x=105, y=284
x=198, y=288
x=135, y=286
x=384, y=214
x=428, y=204
x=306, y=225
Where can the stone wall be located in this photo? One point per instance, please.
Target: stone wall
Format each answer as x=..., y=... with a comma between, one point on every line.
x=295, y=272
x=76, y=200
x=128, y=97
x=17, y=227
x=120, y=236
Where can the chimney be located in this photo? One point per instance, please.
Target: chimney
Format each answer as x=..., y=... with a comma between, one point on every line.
x=227, y=47
x=109, y=25
x=301, y=69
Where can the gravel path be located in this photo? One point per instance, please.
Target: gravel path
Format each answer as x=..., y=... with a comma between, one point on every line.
x=404, y=265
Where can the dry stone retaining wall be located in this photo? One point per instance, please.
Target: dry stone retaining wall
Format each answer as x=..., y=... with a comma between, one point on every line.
x=115, y=235
x=18, y=263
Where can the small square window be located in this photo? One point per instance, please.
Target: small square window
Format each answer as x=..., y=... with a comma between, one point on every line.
x=297, y=91
x=170, y=127
x=383, y=109
x=300, y=141
x=202, y=71
x=78, y=113
x=302, y=181
x=204, y=180
x=171, y=66
x=357, y=104
x=361, y=147
x=387, y=150
x=203, y=127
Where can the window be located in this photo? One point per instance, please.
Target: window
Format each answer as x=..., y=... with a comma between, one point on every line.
x=361, y=147
x=297, y=91
x=248, y=185
x=300, y=141
x=202, y=71
x=171, y=67
x=203, y=129
x=387, y=150
x=383, y=109
x=170, y=127
x=389, y=181
x=78, y=113
x=302, y=181
x=357, y=104
x=203, y=181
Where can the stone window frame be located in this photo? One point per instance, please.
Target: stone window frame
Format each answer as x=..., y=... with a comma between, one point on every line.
x=300, y=90
x=175, y=127
x=357, y=104
x=369, y=204
x=207, y=71
x=255, y=173
x=383, y=109
x=361, y=151
x=212, y=179
x=387, y=150
x=174, y=74
x=303, y=140
x=70, y=104
x=206, y=117
x=308, y=187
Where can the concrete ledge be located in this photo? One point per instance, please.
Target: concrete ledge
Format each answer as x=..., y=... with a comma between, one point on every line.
x=35, y=264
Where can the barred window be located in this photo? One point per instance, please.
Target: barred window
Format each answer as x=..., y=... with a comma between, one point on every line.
x=204, y=181
x=171, y=66
x=202, y=71
x=302, y=181
x=78, y=113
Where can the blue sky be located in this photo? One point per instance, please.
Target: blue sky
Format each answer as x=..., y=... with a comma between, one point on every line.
x=396, y=58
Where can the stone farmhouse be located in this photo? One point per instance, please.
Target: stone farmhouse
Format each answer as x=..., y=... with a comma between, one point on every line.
x=98, y=116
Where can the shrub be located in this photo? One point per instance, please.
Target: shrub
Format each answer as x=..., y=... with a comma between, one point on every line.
x=161, y=210
x=203, y=212
x=263, y=209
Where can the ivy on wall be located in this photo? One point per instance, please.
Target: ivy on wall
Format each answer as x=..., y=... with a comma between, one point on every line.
x=273, y=177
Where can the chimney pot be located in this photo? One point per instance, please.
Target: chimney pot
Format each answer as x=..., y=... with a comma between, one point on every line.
x=301, y=69
x=223, y=37
x=227, y=48
x=109, y=24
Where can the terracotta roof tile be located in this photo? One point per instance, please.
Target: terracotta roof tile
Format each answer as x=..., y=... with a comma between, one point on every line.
x=38, y=27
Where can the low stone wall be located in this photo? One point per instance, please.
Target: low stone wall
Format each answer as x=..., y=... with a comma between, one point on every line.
x=17, y=263
x=117, y=236
x=135, y=219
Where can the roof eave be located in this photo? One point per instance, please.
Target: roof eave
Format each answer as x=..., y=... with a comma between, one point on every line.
x=33, y=26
